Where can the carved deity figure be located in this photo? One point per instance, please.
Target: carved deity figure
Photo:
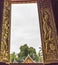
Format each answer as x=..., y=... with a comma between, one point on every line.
x=47, y=29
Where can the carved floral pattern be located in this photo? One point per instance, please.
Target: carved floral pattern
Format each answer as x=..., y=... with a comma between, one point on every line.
x=48, y=31
x=5, y=43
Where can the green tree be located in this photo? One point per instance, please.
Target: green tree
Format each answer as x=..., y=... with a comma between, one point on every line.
x=24, y=51
x=40, y=56
x=12, y=57
x=32, y=53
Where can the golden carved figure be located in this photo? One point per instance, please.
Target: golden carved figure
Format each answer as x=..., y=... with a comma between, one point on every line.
x=52, y=47
x=47, y=28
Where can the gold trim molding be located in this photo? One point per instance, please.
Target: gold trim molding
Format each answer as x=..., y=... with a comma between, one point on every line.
x=5, y=40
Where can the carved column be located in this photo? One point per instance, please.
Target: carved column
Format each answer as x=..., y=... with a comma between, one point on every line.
x=5, y=40
x=48, y=31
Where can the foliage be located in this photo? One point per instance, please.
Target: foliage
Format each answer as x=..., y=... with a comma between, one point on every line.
x=24, y=51
x=12, y=57
x=40, y=56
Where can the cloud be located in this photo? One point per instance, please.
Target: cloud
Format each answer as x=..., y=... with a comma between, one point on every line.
x=24, y=26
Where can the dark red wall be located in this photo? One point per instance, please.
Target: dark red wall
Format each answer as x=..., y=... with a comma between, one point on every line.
x=55, y=11
x=1, y=13
x=26, y=64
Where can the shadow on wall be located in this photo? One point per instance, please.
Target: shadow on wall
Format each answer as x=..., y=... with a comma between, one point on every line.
x=2, y=63
x=26, y=64
x=55, y=11
x=52, y=64
x=33, y=64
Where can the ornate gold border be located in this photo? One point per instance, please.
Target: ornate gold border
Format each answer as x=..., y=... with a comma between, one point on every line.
x=5, y=40
x=48, y=32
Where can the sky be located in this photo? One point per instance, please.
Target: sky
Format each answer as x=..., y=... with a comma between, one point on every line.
x=25, y=27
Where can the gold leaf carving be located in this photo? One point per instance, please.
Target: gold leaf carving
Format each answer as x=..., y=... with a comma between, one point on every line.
x=5, y=33
x=52, y=47
x=48, y=31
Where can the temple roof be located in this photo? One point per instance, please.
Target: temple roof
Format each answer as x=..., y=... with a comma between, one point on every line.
x=28, y=59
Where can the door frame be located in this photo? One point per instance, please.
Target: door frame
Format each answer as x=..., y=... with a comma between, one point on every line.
x=47, y=28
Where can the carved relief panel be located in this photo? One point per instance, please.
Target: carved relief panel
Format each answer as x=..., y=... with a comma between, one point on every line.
x=48, y=31
x=5, y=40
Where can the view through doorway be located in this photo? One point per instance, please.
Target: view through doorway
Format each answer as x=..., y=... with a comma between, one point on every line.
x=25, y=39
